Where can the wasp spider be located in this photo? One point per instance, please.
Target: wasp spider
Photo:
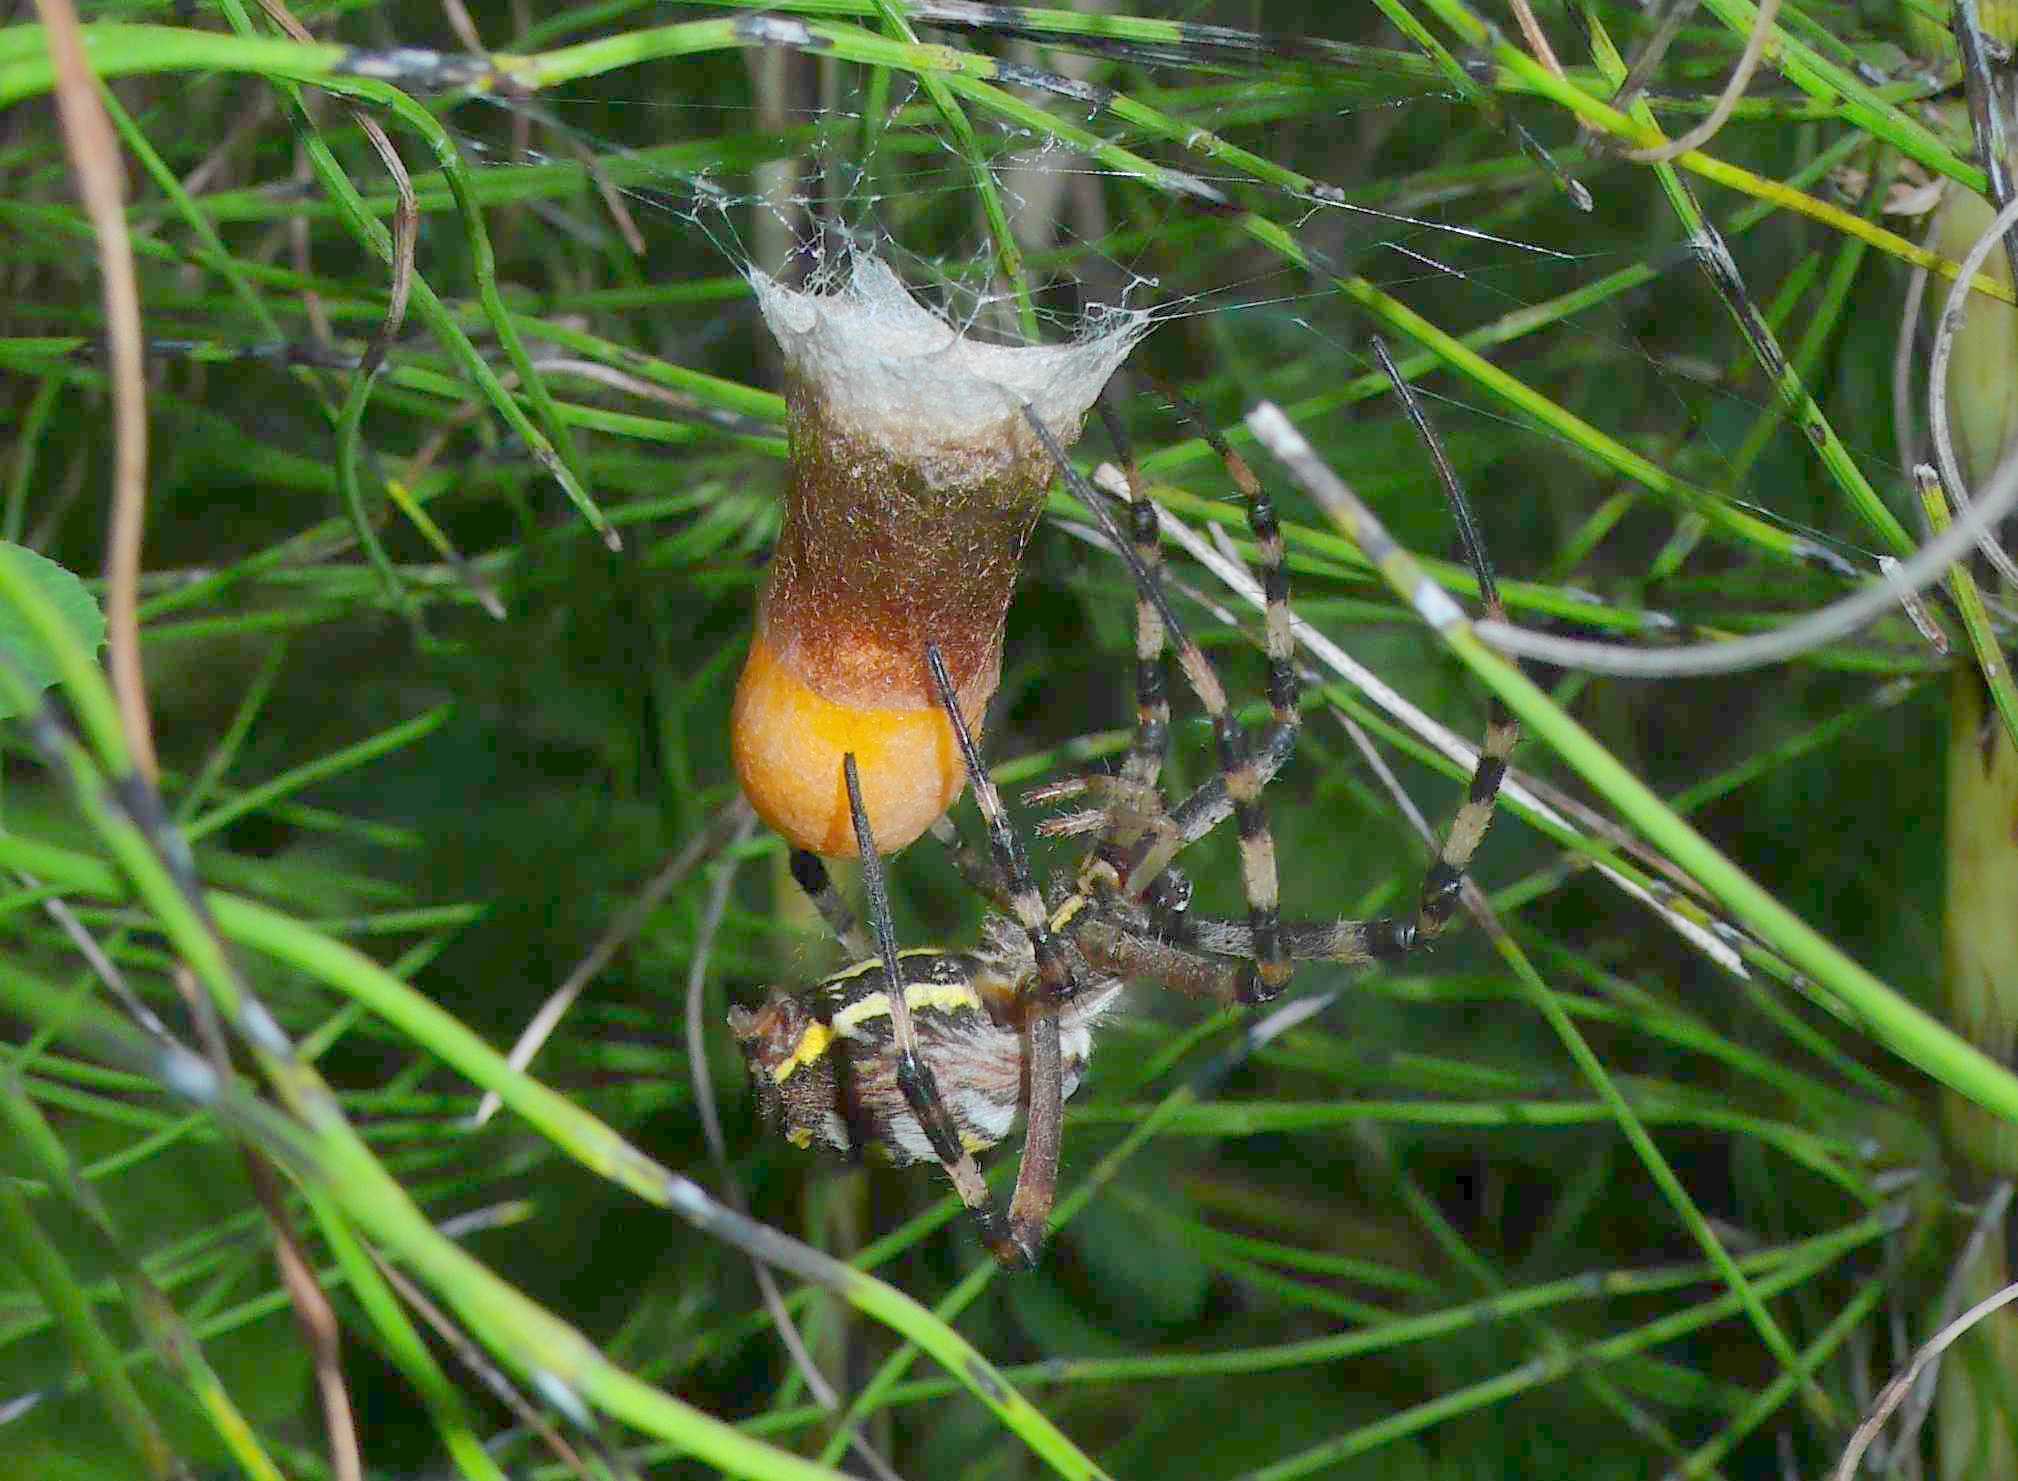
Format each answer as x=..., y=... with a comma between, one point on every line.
x=932, y=1054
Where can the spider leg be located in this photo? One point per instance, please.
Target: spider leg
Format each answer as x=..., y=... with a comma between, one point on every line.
x=811, y=876
x=1211, y=960
x=1116, y=950
x=1124, y=812
x=1144, y=764
x=1359, y=942
x=1354, y=942
x=1201, y=812
x=1257, y=847
x=1037, y=1173
x=973, y=868
x=1387, y=938
x=1241, y=778
x=914, y=1077
x=1284, y=685
x=1130, y=802
x=1443, y=884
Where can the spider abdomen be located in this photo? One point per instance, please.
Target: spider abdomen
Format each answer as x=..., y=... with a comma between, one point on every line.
x=824, y=1060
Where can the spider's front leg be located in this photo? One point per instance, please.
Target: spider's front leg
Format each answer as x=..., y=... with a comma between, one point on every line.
x=1011, y=1244
x=1053, y=988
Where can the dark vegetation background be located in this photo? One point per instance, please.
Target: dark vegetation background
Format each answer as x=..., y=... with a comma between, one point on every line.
x=581, y=741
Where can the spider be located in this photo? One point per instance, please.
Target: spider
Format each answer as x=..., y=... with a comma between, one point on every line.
x=931, y=1054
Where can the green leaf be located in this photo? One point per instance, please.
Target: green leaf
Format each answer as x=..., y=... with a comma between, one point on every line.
x=18, y=645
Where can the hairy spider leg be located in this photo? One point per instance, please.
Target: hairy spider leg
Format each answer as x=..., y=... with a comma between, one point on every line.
x=1285, y=687
x=1351, y=942
x=1443, y=885
x=1241, y=778
x=811, y=876
x=1143, y=767
x=1389, y=937
x=915, y=1080
x=974, y=868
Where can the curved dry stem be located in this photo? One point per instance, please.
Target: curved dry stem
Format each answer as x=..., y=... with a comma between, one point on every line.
x=1727, y=101
x=1975, y=527
x=1897, y=1389
x=1989, y=1220
x=1952, y=312
x=1902, y=359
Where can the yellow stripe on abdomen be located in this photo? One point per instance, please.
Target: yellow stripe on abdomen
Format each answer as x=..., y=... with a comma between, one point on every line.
x=813, y=1043
x=919, y=997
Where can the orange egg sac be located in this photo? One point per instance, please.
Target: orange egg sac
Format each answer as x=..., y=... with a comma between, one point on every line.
x=788, y=742
x=915, y=483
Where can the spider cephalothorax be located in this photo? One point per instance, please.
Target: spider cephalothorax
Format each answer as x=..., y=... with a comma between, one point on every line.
x=933, y=1054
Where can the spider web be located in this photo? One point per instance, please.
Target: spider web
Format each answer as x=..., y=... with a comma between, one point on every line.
x=910, y=199
x=834, y=168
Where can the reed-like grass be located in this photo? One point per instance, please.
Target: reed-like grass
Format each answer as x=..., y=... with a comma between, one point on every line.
x=456, y=487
